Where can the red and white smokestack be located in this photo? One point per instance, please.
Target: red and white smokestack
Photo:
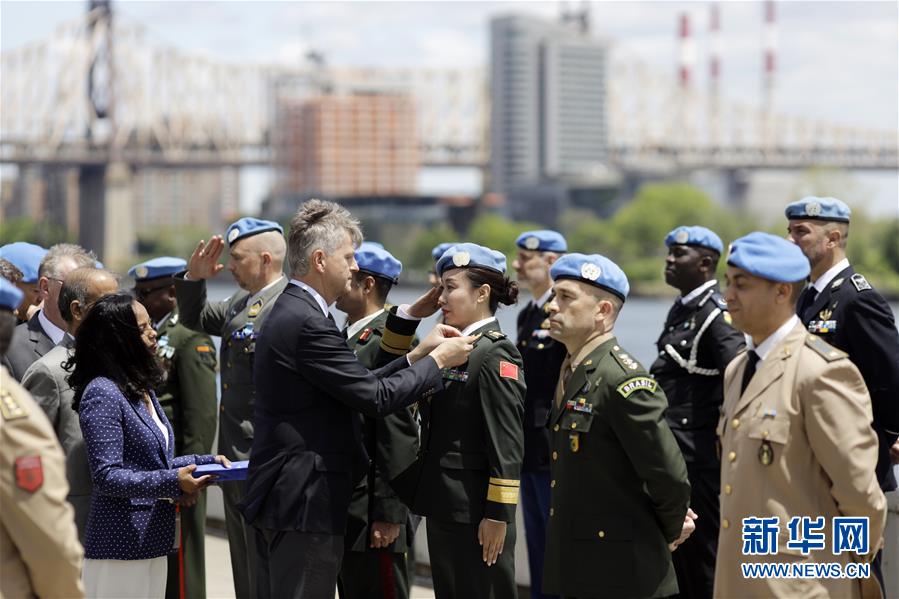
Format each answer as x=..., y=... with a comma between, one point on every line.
x=714, y=48
x=687, y=52
x=770, y=43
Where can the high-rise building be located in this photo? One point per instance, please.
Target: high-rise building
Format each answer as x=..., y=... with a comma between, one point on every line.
x=548, y=132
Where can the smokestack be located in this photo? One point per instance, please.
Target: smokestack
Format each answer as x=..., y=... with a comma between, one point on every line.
x=769, y=50
x=686, y=51
x=714, y=48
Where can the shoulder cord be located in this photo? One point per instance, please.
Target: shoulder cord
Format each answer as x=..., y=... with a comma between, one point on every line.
x=690, y=365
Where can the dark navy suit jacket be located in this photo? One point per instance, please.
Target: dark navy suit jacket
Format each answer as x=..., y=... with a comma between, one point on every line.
x=134, y=471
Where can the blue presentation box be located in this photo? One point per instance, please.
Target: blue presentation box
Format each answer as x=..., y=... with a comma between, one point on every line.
x=237, y=471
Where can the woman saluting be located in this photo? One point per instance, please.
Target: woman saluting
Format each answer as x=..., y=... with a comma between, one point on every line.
x=472, y=438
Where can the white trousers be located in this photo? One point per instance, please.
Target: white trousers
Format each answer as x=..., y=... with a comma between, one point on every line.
x=125, y=579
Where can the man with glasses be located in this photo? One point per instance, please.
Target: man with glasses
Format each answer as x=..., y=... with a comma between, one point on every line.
x=188, y=397
x=34, y=338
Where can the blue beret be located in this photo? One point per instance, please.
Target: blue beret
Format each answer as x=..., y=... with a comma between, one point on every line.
x=26, y=256
x=594, y=269
x=695, y=236
x=769, y=257
x=374, y=259
x=542, y=241
x=10, y=295
x=165, y=266
x=248, y=226
x=466, y=255
x=814, y=208
x=439, y=249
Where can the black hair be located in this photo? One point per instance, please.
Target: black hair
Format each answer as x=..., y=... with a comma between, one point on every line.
x=502, y=290
x=382, y=285
x=109, y=344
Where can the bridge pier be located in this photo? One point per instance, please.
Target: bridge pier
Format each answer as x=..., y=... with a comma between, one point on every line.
x=107, y=223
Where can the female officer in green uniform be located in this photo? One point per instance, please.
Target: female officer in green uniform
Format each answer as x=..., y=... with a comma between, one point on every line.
x=467, y=475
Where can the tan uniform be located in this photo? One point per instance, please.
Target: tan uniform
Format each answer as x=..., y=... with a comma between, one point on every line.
x=39, y=550
x=798, y=442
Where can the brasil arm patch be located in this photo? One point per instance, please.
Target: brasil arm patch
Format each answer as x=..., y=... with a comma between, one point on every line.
x=638, y=383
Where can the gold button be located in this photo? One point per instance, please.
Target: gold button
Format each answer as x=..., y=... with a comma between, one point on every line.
x=552, y=484
x=725, y=523
x=224, y=385
x=574, y=425
x=728, y=489
x=540, y=346
x=551, y=511
x=228, y=364
x=555, y=455
x=601, y=534
x=556, y=427
x=735, y=423
x=732, y=456
x=765, y=434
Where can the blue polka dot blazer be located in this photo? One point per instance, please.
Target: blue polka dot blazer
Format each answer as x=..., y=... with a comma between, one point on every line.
x=134, y=470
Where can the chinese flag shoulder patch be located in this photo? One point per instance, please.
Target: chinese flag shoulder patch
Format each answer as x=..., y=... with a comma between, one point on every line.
x=29, y=473
x=508, y=370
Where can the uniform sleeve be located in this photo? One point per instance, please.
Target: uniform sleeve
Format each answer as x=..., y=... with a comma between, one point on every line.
x=396, y=447
x=195, y=365
x=874, y=348
x=639, y=423
x=397, y=339
x=44, y=390
x=195, y=312
x=726, y=341
x=837, y=414
x=41, y=524
x=101, y=423
x=502, y=389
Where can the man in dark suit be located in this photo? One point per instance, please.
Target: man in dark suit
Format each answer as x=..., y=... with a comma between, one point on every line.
x=307, y=451
x=34, y=338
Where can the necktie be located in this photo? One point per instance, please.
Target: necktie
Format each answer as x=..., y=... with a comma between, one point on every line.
x=564, y=377
x=808, y=297
x=751, y=364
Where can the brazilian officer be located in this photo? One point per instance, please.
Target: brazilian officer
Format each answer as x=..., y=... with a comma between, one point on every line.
x=695, y=347
x=188, y=397
x=378, y=530
x=257, y=251
x=40, y=555
x=542, y=356
x=841, y=307
x=620, y=493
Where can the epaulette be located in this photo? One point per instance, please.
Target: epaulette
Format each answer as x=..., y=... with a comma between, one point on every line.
x=367, y=335
x=719, y=301
x=826, y=350
x=622, y=357
x=10, y=408
x=860, y=282
x=495, y=335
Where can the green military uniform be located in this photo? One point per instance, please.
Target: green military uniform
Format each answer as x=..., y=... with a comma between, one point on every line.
x=391, y=444
x=469, y=467
x=237, y=320
x=619, y=482
x=188, y=398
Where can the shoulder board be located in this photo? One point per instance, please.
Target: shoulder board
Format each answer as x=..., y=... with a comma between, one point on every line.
x=637, y=383
x=10, y=408
x=824, y=349
x=495, y=335
x=860, y=282
x=627, y=362
x=719, y=301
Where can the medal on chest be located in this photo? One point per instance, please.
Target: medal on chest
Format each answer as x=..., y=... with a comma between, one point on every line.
x=824, y=324
x=766, y=453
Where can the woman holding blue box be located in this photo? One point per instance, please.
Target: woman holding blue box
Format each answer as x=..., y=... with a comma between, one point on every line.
x=137, y=480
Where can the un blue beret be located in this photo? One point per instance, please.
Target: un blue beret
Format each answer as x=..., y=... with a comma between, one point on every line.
x=164, y=266
x=466, y=255
x=26, y=257
x=695, y=236
x=814, y=208
x=542, y=241
x=769, y=257
x=248, y=226
x=593, y=269
x=10, y=295
x=374, y=259
x=440, y=248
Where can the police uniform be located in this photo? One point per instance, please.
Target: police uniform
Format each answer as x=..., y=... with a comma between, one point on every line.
x=391, y=444
x=40, y=555
x=619, y=483
x=846, y=311
x=695, y=347
x=469, y=464
x=238, y=321
x=542, y=356
x=188, y=398
x=795, y=440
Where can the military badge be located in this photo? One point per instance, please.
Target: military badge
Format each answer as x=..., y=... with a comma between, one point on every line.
x=531, y=243
x=813, y=209
x=825, y=314
x=461, y=259
x=255, y=309
x=9, y=407
x=681, y=237
x=508, y=370
x=29, y=473
x=574, y=441
x=141, y=272
x=630, y=386
x=364, y=336
x=452, y=374
x=590, y=271
x=766, y=454
x=232, y=235
x=860, y=282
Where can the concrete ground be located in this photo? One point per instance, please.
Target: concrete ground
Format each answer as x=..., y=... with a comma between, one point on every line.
x=218, y=569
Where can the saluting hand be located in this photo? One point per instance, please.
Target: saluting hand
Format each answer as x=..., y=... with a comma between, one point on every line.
x=686, y=531
x=492, y=537
x=204, y=262
x=426, y=305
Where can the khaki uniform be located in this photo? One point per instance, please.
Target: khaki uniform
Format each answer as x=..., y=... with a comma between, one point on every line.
x=798, y=442
x=39, y=550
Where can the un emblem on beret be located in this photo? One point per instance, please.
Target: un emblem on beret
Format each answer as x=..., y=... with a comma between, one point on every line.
x=232, y=234
x=590, y=271
x=682, y=237
x=813, y=209
x=141, y=272
x=532, y=243
x=461, y=259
